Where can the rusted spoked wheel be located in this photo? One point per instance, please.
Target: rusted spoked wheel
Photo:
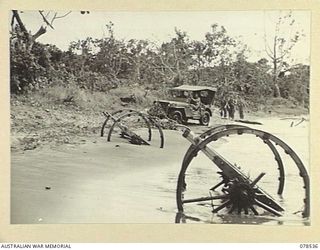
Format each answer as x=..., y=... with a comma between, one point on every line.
x=271, y=146
x=116, y=113
x=239, y=194
x=120, y=115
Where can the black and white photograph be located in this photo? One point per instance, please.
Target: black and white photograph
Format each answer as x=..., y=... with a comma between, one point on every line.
x=168, y=117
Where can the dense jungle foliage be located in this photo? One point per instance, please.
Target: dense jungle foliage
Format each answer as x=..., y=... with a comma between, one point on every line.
x=108, y=65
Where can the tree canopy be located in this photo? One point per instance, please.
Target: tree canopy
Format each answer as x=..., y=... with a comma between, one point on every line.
x=102, y=64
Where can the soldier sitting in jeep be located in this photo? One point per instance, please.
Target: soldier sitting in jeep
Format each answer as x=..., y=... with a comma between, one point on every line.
x=195, y=100
x=189, y=102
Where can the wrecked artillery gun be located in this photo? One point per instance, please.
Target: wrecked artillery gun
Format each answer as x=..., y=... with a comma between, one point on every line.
x=118, y=118
x=237, y=191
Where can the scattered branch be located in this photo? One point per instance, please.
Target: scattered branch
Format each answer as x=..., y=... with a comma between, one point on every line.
x=40, y=32
x=63, y=15
x=45, y=19
x=21, y=25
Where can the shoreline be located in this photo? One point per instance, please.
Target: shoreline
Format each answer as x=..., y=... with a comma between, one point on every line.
x=37, y=127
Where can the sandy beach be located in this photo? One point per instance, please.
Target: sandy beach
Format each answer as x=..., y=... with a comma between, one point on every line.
x=117, y=182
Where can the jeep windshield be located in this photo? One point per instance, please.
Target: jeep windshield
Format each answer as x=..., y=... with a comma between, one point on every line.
x=178, y=95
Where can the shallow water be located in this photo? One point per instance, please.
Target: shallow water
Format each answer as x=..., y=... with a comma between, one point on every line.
x=253, y=157
x=116, y=182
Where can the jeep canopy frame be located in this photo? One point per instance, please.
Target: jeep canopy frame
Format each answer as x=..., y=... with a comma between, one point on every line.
x=205, y=93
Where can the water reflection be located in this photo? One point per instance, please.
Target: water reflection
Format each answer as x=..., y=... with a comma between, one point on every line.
x=222, y=219
x=182, y=218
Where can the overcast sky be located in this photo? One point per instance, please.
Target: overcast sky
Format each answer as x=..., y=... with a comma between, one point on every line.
x=247, y=26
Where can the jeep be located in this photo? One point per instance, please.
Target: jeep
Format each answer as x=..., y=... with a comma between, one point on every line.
x=189, y=102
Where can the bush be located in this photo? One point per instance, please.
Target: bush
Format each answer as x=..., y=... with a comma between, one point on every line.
x=74, y=96
x=279, y=101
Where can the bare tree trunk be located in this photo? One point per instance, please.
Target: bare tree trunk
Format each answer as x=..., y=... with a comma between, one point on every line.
x=199, y=70
x=30, y=39
x=138, y=73
x=276, y=90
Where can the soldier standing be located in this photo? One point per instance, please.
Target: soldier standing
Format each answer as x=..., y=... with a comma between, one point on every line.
x=241, y=105
x=231, y=107
x=223, y=107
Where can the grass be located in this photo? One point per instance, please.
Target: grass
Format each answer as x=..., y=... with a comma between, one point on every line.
x=61, y=114
x=83, y=99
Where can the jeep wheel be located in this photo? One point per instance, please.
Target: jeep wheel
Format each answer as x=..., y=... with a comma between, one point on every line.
x=205, y=119
x=177, y=116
